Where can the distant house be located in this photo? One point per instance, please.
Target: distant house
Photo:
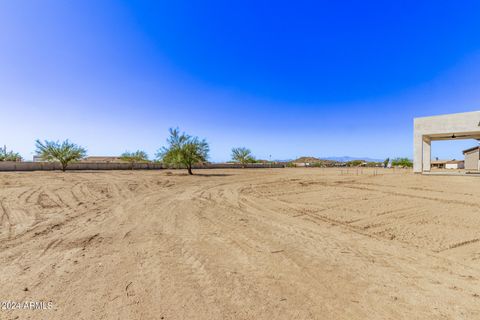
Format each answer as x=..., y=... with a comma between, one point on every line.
x=103, y=159
x=37, y=159
x=455, y=164
x=472, y=158
x=447, y=164
x=262, y=161
x=301, y=164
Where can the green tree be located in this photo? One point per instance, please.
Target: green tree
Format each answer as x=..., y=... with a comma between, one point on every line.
x=385, y=162
x=64, y=152
x=9, y=156
x=402, y=162
x=134, y=157
x=242, y=155
x=183, y=150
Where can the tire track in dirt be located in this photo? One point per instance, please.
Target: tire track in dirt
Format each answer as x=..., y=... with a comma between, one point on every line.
x=393, y=193
x=5, y=220
x=233, y=246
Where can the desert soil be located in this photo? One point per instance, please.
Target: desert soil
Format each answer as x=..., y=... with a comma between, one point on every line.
x=240, y=244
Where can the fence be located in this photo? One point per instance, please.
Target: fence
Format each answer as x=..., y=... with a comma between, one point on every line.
x=49, y=166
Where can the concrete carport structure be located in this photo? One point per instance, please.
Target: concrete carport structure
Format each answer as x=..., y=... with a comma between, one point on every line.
x=445, y=127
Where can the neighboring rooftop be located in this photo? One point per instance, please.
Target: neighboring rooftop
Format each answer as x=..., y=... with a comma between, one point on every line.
x=103, y=159
x=471, y=149
x=446, y=161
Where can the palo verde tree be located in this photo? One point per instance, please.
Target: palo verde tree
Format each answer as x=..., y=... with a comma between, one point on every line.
x=9, y=155
x=134, y=157
x=242, y=155
x=183, y=150
x=64, y=152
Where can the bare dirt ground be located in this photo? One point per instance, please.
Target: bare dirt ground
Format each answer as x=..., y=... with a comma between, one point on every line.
x=240, y=244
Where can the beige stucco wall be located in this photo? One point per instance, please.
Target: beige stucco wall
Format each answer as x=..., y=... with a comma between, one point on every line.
x=46, y=166
x=472, y=160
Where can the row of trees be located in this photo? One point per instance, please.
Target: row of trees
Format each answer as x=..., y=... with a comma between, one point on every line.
x=185, y=150
x=181, y=150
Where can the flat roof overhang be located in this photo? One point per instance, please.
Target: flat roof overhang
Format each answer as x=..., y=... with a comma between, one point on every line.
x=453, y=136
x=471, y=149
x=458, y=126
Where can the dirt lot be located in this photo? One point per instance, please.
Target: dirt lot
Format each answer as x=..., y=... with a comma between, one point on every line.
x=240, y=244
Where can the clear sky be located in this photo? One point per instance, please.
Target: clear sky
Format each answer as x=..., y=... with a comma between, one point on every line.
x=284, y=78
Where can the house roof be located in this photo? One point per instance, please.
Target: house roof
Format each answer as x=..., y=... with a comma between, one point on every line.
x=471, y=149
x=102, y=159
x=455, y=161
x=446, y=161
x=438, y=161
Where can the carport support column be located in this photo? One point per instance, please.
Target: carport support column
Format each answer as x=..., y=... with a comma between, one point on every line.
x=427, y=153
x=417, y=153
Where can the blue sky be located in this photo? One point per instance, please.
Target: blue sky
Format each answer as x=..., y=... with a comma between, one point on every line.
x=321, y=78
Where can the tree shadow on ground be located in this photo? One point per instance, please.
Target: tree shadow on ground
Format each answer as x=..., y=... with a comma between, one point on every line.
x=211, y=174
